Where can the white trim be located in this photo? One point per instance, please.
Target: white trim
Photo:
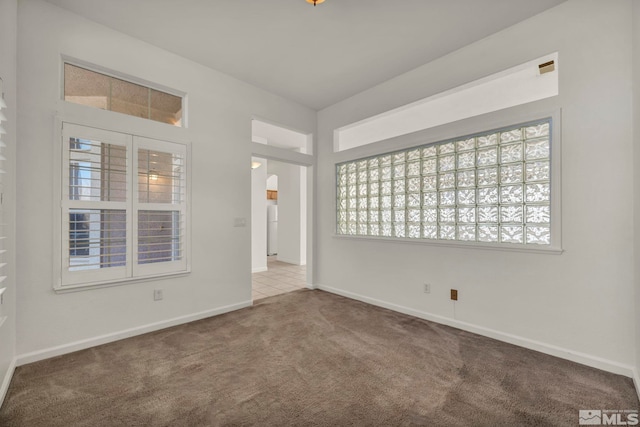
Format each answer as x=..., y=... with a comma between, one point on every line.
x=553, y=350
x=259, y=269
x=47, y=353
x=636, y=381
x=4, y=388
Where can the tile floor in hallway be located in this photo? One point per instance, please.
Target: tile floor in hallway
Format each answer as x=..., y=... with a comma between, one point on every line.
x=279, y=279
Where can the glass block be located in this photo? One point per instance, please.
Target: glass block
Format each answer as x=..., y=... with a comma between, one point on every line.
x=399, y=229
x=447, y=163
x=511, y=194
x=413, y=200
x=385, y=187
x=374, y=163
x=487, y=176
x=413, y=215
x=511, y=173
x=385, y=172
x=537, y=149
x=374, y=229
x=385, y=160
x=447, y=232
x=467, y=215
x=400, y=215
x=446, y=148
x=430, y=215
x=361, y=165
x=352, y=203
x=413, y=231
x=511, y=213
x=487, y=233
x=342, y=179
x=398, y=157
x=363, y=229
x=352, y=178
x=430, y=231
x=353, y=190
x=487, y=140
x=363, y=176
x=399, y=170
x=467, y=144
x=374, y=174
x=538, y=214
x=511, y=234
x=537, y=130
x=537, y=171
x=374, y=216
x=447, y=215
x=363, y=203
x=413, y=155
x=537, y=193
x=385, y=229
x=467, y=233
x=399, y=201
x=538, y=235
x=374, y=189
x=429, y=182
x=430, y=199
x=429, y=166
x=488, y=214
x=447, y=180
x=510, y=153
x=413, y=169
x=467, y=197
x=447, y=198
x=342, y=228
x=413, y=185
x=429, y=151
x=511, y=135
x=342, y=192
x=351, y=167
x=352, y=216
x=342, y=216
x=342, y=204
x=467, y=179
x=488, y=196
x=385, y=202
x=467, y=160
x=374, y=203
x=488, y=157
x=352, y=229
x=399, y=186
x=363, y=190
x=342, y=169
x=385, y=216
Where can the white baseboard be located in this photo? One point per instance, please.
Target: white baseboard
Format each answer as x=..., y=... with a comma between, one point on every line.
x=47, y=353
x=4, y=387
x=636, y=381
x=563, y=353
x=259, y=269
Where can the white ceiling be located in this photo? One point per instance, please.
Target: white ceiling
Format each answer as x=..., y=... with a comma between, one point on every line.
x=315, y=56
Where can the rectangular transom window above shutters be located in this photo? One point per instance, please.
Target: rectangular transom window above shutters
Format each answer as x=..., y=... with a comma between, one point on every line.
x=124, y=207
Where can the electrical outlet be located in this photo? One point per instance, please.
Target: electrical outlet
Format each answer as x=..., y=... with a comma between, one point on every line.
x=157, y=294
x=454, y=294
x=427, y=288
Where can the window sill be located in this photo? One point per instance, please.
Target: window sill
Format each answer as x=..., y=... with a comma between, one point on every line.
x=61, y=289
x=550, y=250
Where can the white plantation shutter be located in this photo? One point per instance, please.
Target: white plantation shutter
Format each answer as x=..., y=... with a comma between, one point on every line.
x=3, y=228
x=124, y=207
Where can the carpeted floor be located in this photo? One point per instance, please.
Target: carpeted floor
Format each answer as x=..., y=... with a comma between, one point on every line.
x=309, y=358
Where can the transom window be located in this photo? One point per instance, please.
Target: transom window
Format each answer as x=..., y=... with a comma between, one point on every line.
x=492, y=188
x=124, y=207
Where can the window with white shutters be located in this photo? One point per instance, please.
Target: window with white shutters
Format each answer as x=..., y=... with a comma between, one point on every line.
x=124, y=207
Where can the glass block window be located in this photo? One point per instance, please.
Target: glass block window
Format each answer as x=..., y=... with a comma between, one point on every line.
x=493, y=188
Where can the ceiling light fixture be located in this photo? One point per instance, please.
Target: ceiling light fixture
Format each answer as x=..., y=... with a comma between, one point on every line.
x=315, y=2
x=255, y=165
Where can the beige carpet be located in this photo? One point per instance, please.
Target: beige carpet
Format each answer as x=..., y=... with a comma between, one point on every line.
x=309, y=358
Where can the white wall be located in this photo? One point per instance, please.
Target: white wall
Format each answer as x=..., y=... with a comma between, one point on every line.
x=220, y=110
x=576, y=304
x=636, y=140
x=259, y=216
x=8, y=63
x=292, y=201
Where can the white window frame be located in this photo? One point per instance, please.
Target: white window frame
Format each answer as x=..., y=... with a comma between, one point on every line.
x=95, y=128
x=473, y=126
